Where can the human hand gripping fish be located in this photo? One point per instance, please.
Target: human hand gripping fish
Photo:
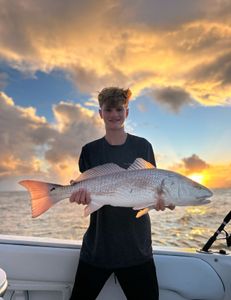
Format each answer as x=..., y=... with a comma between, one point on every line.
x=141, y=186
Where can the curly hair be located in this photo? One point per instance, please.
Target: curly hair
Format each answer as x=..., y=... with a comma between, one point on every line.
x=114, y=96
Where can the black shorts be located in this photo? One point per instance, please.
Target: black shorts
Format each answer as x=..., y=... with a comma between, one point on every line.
x=137, y=282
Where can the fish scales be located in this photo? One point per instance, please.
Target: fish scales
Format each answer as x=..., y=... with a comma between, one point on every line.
x=111, y=183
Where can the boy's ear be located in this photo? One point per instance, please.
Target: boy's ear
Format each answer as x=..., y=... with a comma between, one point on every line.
x=127, y=112
x=100, y=113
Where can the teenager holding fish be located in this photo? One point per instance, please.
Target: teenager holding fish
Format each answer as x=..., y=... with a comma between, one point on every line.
x=116, y=241
x=118, y=179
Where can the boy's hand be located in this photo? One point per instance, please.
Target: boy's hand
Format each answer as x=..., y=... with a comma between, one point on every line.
x=80, y=196
x=160, y=205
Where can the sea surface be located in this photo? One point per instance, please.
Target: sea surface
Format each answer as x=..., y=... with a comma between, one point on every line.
x=188, y=227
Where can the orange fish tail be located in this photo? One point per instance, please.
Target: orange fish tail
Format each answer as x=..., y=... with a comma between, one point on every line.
x=41, y=194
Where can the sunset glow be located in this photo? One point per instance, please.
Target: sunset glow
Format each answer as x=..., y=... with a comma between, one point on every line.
x=198, y=177
x=173, y=55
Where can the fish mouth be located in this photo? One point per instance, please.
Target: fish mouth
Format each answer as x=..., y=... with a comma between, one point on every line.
x=207, y=194
x=204, y=200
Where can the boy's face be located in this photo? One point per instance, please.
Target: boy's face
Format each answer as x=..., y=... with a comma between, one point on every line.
x=113, y=117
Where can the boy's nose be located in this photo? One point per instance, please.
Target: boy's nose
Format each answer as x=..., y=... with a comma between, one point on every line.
x=114, y=113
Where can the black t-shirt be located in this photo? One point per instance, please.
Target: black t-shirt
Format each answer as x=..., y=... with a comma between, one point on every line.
x=115, y=237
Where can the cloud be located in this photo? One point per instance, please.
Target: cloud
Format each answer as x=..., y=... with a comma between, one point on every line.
x=136, y=44
x=89, y=81
x=31, y=147
x=161, y=15
x=22, y=132
x=191, y=164
x=194, y=164
x=214, y=175
x=221, y=9
x=217, y=71
x=3, y=80
x=17, y=127
x=174, y=98
x=76, y=126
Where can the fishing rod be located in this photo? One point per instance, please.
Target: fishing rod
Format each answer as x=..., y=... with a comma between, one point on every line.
x=213, y=238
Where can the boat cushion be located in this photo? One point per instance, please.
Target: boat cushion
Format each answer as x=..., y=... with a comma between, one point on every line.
x=190, y=277
x=170, y=295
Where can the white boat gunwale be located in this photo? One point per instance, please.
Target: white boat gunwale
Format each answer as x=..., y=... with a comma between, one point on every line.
x=37, y=253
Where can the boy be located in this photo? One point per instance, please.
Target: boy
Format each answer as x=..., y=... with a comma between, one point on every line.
x=115, y=241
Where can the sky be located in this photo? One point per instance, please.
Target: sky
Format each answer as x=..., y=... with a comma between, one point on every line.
x=55, y=56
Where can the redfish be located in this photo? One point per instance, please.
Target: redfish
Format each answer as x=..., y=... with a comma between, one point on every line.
x=138, y=187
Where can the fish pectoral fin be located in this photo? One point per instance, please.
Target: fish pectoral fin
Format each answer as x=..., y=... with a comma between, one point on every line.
x=140, y=207
x=90, y=208
x=142, y=212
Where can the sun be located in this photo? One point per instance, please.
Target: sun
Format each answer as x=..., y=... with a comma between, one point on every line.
x=198, y=177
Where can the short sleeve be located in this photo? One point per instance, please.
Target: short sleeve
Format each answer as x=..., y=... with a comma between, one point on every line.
x=84, y=160
x=150, y=154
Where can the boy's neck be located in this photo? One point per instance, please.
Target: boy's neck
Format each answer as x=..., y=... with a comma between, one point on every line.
x=116, y=137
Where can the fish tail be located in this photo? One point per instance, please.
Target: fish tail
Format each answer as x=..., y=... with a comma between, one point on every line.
x=43, y=195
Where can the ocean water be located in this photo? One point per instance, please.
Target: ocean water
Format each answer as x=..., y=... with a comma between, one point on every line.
x=188, y=227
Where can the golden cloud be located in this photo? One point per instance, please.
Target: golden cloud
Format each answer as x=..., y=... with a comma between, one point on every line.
x=32, y=147
x=143, y=45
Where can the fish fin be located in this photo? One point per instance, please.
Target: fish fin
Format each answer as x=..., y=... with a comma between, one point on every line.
x=90, y=208
x=43, y=195
x=142, y=212
x=140, y=163
x=142, y=206
x=111, y=168
x=101, y=170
